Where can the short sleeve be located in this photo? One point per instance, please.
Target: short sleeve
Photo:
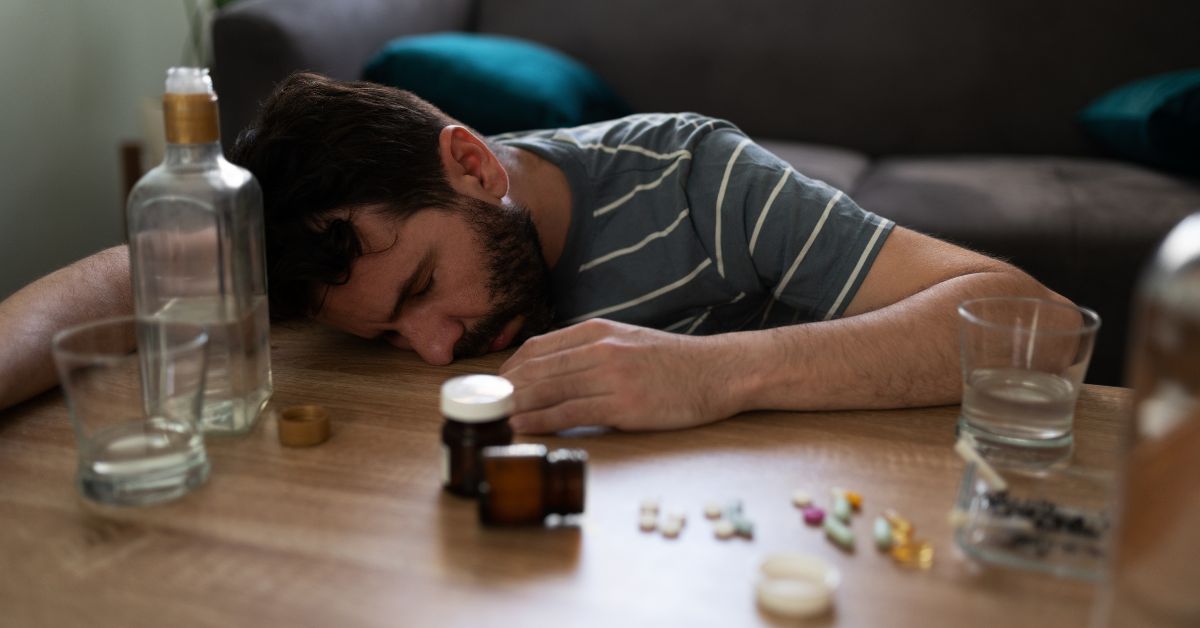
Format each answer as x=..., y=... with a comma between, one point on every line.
x=772, y=231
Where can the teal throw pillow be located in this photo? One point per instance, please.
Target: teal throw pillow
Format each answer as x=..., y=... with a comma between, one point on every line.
x=496, y=84
x=1155, y=120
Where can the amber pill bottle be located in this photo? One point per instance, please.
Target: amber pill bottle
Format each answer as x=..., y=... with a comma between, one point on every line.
x=523, y=484
x=476, y=410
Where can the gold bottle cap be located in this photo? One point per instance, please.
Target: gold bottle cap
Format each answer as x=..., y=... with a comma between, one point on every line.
x=303, y=426
x=190, y=118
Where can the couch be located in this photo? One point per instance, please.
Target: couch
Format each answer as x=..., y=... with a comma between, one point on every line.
x=953, y=118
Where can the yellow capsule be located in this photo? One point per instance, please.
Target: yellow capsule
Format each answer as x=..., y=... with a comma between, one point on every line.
x=915, y=554
x=855, y=499
x=900, y=526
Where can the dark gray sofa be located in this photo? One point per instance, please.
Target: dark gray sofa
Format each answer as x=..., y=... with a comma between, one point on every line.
x=953, y=118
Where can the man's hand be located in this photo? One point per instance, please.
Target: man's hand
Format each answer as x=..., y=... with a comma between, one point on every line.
x=600, y=372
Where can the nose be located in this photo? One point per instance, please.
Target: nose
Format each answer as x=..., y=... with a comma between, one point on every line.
x=430, y=334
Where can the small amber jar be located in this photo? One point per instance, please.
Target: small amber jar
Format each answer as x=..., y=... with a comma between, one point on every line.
x=476, y=409
x=523, y=484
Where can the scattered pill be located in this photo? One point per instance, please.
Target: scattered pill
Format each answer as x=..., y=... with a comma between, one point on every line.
x=855, y=499
x=648, y=522
x=801, y=499
x=841, y=508
x=743, y=527
x=813, y=516
x=671, y=529
x=915, y=554
x=723, y=529
x=650, y=506
x=837, y=532
x=712, y=510
x=901, y=528
x=883, y=534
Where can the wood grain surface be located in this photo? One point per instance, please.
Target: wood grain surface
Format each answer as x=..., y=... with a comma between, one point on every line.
x=357, y=531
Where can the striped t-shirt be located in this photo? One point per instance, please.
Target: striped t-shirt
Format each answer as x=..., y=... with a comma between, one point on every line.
x=680, y=222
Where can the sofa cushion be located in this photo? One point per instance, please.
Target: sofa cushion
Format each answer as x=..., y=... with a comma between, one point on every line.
x=838, y=167
x=496, y=84
x=1155, y=120
x=1083, y=227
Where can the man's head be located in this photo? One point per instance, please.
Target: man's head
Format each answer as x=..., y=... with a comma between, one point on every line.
x=387, y=218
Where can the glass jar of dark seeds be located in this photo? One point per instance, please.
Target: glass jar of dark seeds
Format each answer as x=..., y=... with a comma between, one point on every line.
x=476, y=410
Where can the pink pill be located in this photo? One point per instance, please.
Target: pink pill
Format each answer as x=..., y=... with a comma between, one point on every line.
x=813, y=516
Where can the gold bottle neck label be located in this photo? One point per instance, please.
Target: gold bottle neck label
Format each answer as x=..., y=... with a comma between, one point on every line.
x=191, y=118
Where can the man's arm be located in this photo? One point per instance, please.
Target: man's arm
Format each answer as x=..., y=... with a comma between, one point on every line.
x=94, y=287
x=896, y=346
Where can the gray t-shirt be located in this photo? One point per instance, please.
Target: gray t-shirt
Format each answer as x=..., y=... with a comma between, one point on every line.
x=680, y=222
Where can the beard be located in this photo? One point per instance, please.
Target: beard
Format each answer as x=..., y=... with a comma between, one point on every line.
x=518, y=279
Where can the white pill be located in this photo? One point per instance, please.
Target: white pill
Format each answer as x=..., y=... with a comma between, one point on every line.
x=650, y=506
x=648, y=523
x=712, y=510
x=724, y=529
x=801, y=499
x=671, y=529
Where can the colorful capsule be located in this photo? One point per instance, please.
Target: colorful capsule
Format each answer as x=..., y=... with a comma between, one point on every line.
x=837, y=532
x=743, y=527
x=915, y=554
x=813, y=516
x=842, y=508
x=855, y=499
x=883, y=534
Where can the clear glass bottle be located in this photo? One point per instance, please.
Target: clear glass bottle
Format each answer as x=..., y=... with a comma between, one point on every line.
x=1155, y=579
x=197, y=253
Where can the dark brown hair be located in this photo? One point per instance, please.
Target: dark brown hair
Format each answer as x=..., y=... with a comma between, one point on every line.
x=319, y=145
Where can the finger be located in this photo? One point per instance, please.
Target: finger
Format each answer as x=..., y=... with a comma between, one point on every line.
x=550, y=392
x=573, y=413
x=558, y=340
x=565, y=362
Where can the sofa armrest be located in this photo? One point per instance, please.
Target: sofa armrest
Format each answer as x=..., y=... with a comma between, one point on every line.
x=257, y=43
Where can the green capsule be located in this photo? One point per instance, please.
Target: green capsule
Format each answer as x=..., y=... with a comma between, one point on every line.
x=839, y=533
x=842, y=508
x=742, y=526
x=883, y=534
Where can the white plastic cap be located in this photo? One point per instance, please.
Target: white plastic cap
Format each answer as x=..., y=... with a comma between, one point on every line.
x=477, y=398
x=189, y=81
x=797, y=585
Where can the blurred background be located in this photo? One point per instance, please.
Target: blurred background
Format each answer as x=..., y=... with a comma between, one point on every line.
x=76, y=76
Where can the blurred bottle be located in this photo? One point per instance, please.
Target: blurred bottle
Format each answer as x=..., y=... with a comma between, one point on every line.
x=1155, y=579
x=197, y=253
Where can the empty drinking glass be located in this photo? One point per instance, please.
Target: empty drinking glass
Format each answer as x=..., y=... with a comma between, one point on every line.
x=134, y=389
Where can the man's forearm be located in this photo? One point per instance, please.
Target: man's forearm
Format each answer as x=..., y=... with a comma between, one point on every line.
x=902, y=355
x=94, y=287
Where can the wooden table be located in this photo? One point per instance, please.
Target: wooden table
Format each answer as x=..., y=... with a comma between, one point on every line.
x=357, y=532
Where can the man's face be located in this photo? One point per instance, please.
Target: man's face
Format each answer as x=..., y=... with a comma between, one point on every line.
x=444, y=283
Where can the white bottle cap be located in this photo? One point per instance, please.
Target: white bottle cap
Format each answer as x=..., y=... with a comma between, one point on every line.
x=797, y=585
x=189, y=81
x=477, y=398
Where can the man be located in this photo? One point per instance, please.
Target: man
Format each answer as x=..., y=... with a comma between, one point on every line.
x=678, y=257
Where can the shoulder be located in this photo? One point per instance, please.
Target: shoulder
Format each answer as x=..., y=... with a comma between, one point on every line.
x=656, y=132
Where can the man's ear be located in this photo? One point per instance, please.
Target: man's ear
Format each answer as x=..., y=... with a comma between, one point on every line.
x=471, y=167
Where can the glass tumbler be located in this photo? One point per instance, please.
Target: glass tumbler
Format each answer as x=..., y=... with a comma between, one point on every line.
x=134, y=389
x=1023, y=362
